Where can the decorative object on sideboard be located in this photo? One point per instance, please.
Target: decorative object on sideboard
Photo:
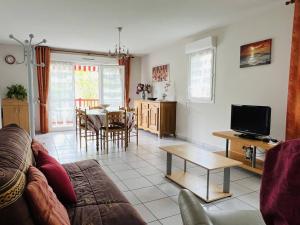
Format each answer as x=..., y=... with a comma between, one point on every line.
x=152, y=99
x=160, y=73
x=29, y=57
x=17, y=91
x=255, y=54
x=166, y=89
x=143, y=88
x=10, y=59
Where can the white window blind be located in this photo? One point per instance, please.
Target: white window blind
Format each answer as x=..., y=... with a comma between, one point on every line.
x=201, y=70
x=201, y=75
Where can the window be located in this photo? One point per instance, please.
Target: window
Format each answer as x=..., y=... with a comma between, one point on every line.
x=112, y=85
x=201, y=75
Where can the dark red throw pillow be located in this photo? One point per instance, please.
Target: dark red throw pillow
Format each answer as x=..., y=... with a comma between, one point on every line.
x=37, y=147
x=57, y=177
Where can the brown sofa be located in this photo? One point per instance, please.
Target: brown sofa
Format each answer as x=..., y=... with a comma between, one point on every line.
x=99, y=201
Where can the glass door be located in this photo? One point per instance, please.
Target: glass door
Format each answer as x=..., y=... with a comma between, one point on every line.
x=112, y=86
x=61, y=96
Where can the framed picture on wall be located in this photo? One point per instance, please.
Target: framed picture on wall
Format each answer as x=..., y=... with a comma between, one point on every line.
x=256, y=54
x=160, y=73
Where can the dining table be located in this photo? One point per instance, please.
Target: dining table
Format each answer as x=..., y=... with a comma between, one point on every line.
x=96, y=119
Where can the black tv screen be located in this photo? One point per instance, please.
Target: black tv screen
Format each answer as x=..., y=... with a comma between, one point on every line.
x=249, y=119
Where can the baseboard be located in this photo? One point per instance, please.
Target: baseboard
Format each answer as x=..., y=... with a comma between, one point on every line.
x=203, y=145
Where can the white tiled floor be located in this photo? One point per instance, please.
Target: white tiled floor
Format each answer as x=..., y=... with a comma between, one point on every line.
x=139, y=174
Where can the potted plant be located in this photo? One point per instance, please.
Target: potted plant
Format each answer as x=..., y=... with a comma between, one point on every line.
x=17, y=91
x=143, y=88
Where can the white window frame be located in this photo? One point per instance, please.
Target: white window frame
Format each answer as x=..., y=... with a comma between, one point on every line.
x=210, y=99
x=121, y=68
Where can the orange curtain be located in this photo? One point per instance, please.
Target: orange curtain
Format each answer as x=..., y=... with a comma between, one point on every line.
x=126, y=63
x=293, y=108
x=43, y=56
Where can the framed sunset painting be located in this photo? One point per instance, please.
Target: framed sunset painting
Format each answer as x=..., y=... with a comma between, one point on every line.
x=256, y=54
x=160, y=73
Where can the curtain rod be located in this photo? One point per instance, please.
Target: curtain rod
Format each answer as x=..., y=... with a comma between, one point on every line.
x=81, y=52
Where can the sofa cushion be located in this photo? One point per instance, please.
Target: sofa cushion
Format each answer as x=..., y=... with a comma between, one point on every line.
x=36, y=147
x=15, y=158
x=45, y=206
x=99, y=201
x=57, y=177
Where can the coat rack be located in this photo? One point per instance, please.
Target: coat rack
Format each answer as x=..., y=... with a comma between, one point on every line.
x=30, y=60
x=290, y=2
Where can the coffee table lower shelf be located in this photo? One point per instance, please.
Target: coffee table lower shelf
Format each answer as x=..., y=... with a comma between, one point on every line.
x=198, y=186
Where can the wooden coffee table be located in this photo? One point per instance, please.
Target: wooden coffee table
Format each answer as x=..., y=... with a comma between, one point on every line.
x=207, y=160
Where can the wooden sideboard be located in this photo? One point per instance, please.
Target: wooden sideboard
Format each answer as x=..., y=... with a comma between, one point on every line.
x=15, y=111
x=158, y=117
x=235, y=146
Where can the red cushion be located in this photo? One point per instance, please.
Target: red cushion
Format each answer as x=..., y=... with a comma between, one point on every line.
x=37, y=147
x=44, y=205
x=57, y=177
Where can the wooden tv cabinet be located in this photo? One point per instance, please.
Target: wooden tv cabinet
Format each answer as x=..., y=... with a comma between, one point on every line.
x=235, y=150
x=158, y=117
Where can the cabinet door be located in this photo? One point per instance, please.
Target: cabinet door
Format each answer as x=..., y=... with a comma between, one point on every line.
x=144, y=115
x=10, y=115
x=154, y=117
x=23, y=117
x=138, y=106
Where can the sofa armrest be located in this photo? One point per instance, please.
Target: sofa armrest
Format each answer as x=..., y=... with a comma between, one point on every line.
x=191, y=210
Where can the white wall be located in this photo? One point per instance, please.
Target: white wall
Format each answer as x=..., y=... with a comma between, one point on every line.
x=261, y=85
x=11, y=74
x=14, y=74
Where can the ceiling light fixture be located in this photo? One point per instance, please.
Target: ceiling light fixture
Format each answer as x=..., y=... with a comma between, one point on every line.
x=120, y=50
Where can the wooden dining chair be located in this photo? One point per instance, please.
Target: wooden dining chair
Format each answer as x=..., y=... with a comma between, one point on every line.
x=115, y=128
x=82, y=127
x=132, y=124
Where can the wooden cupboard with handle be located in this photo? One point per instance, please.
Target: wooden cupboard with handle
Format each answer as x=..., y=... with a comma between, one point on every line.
x=15, y=111
x=158, y=117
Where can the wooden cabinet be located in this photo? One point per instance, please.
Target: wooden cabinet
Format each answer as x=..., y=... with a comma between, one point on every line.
x=158, y=117
x=15, y=111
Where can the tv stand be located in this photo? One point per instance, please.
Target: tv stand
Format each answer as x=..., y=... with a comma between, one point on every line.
x=236, y=146
x=247, y=136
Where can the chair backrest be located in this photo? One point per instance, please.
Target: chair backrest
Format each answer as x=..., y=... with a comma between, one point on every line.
x=97, y=107
x=81, y=116
x=128, y=109
x=117, y=118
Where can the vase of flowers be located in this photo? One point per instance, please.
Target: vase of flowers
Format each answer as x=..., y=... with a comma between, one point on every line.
x=143, y=88
x=166, y=89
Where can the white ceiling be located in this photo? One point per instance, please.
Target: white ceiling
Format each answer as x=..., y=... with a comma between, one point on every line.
x=148, y=24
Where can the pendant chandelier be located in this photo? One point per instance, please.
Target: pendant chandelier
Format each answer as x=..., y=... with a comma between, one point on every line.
x=120, y=50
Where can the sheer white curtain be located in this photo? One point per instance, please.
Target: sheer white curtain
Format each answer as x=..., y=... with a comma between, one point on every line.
x=201, y=75
x=112, y=86
x=61, y=98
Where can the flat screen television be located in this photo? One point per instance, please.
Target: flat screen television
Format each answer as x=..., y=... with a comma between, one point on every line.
x=251, y=120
